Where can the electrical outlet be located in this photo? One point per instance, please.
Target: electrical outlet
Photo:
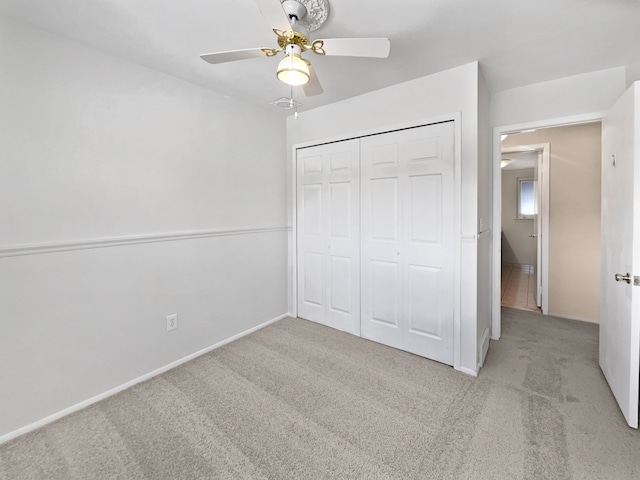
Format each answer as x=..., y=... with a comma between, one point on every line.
x=172, y=322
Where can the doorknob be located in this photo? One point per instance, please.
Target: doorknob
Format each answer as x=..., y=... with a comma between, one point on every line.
x=531, y=235
x=626, y=278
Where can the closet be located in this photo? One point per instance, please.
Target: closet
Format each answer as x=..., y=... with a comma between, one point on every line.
x=375, y=237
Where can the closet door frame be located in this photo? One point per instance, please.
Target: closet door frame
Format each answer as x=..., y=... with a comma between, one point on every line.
x=457, y=279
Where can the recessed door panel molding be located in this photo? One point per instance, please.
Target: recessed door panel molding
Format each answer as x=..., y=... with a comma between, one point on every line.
x=340, y=215
x=407, y=191
x=328, y=190
x=384, y=155
x=385, y=292
x=341, y=271
x=341, y=162
x=312, y=285
x=312, y=209
x=424, y=150
x=423, y=301
x=383, y=201
x=312, y=165
x=425, y=209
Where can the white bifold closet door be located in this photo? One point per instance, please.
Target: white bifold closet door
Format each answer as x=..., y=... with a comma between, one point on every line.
x=328, y=242
x=407, y=235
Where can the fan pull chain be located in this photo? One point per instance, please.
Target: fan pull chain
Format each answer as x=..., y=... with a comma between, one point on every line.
x=293, y=103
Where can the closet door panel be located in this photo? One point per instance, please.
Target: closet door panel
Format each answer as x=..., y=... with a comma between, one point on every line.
x=429, y=243
x=381, y=280
x=411, y=228
x=328, y=191
x=342, y=164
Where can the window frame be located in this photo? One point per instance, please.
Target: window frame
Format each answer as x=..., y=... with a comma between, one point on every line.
x=520, y=180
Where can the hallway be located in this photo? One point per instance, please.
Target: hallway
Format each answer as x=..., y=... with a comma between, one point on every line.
x=518, y=287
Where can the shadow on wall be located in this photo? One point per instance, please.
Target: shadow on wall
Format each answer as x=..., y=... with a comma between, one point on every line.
x=507, y=251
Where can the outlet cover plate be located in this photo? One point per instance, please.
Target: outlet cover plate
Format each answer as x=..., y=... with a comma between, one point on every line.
x=172, y=322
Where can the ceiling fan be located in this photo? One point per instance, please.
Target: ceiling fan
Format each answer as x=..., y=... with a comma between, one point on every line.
x=292, y=21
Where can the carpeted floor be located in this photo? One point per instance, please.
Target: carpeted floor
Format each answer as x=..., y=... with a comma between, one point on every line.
x=300, y=401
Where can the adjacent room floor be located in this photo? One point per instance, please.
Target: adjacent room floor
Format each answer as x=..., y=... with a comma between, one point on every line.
x=518, y=287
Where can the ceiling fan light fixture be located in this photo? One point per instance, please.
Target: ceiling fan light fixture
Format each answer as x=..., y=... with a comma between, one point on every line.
x=505, y=161
x=292, y=70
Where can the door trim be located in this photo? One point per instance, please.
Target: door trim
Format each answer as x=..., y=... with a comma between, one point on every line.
x=497, y=199
x=456, y=117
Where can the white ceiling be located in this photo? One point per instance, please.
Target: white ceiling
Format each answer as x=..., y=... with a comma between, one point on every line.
x=520, y=160
x=517, y=42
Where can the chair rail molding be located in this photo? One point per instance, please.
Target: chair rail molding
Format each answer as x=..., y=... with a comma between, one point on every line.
x=39, y=249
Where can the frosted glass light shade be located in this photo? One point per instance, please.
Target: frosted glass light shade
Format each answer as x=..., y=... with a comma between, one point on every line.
x=292, y=70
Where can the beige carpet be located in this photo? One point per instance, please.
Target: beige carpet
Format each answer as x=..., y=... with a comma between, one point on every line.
x=297, y=400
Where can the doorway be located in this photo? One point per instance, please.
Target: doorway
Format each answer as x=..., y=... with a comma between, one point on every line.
x=572, y=217
x=525, y=225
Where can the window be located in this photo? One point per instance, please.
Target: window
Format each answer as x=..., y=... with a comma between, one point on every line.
x=526, y=198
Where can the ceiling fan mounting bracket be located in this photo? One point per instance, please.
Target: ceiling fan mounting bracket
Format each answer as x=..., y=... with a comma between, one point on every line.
x=311, y=14
x=294, y=9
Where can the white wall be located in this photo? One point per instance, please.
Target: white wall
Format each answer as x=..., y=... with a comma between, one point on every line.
x=94, y=148
x=576, y=95
x=632, y=73
x=444, y=93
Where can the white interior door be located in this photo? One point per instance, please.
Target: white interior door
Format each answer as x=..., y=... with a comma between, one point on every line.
x=620, y=301
x=328, y=234
x=407, y=182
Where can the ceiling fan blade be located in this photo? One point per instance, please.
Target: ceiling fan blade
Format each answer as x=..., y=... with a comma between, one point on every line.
x=274, y=14
x=357, y=47
x=312, y=87
x=232, y=55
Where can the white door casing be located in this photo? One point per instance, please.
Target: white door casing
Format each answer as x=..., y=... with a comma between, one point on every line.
x=620, y=252
x=537, y=230
x=328, y=234
x=407, y=234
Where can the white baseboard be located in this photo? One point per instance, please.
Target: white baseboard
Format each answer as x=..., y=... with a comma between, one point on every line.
x=569, y=317
x=468, y=371
x=85, y=403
